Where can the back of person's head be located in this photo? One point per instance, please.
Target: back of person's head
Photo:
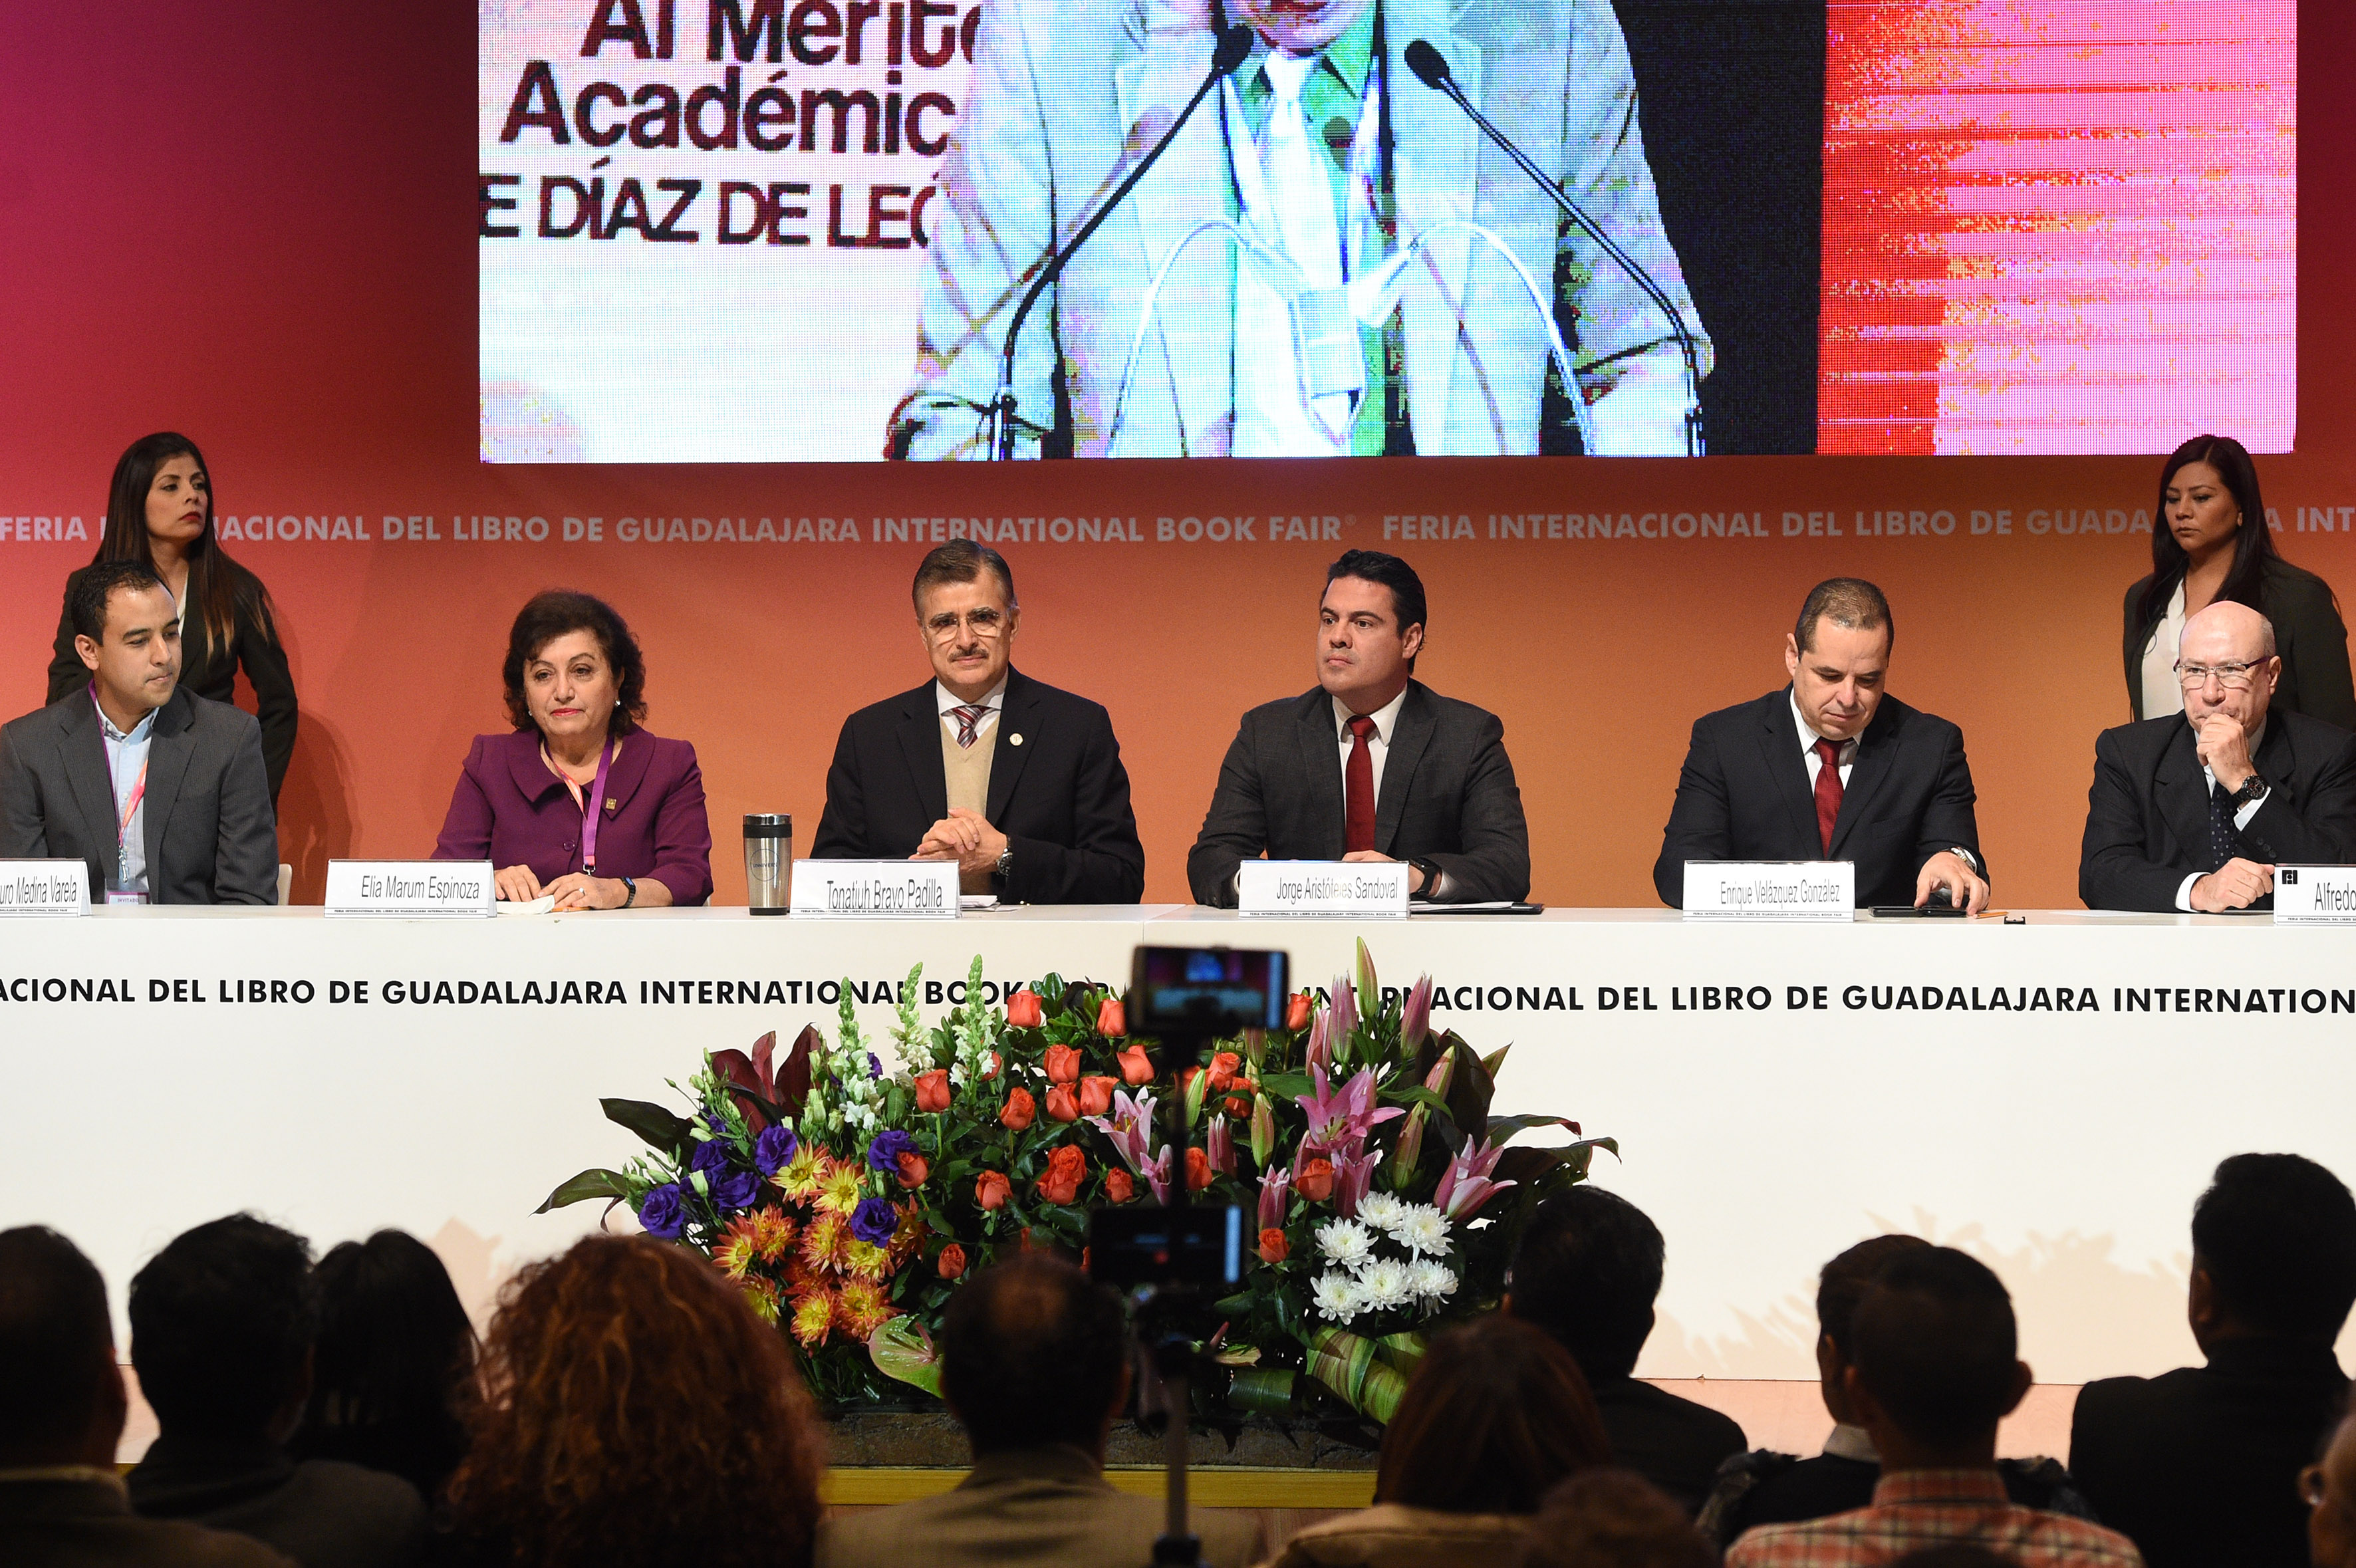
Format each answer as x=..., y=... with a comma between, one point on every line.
x=635, y=1410
x=1587, y=1271
x=1611, y=1517
x=396, y=1354
x=1033, y=1352
x=1846, y=1278
x=59, y=1386
x=1496, y=1415
x=2276, y=1235
x=221, y=1325
x=1935, y=1345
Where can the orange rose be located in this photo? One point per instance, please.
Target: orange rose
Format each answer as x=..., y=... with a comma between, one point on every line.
x=1063, y=1105
x=1063, y=1064
x=1134, y=1067
x=1315, y=1182
x=1239, y=1105
x=1119, y=1186
x=1067, y=1168
x=1296, y=1015
x=933, y=1090
x=1020, y=1111
x=952, y=1260
x=1273, y=1246
x=1225, y=1065
x=1022, y=1011
x=913, y=1169
x=991, y=1190
x=1112, y=1018
x=1095, y=1094
x=1198, y=1170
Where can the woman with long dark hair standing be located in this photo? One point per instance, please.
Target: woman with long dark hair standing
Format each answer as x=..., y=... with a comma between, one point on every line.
x=2210, y=540
x=159, y=510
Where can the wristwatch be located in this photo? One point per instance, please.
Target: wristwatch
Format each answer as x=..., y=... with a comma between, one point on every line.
x=1966, y=856
x=2254, y=789
x=1005, y=862
x=1430, y=870
x=630, y=888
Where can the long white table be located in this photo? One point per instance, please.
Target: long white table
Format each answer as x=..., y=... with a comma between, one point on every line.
x=1779, y=1091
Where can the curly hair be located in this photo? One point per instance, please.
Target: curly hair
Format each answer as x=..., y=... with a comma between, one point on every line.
x=1496, y=1413
x=555, y=612
x=636, y=1412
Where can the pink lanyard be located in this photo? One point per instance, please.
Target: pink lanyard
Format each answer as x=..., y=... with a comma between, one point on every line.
x=138, y=793
x=593, y=811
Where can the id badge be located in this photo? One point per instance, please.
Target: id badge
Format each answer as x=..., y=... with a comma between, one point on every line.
x=116, y=896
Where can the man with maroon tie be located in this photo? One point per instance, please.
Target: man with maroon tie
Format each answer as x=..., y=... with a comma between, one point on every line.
x=1832, y=767
x=1372, y=764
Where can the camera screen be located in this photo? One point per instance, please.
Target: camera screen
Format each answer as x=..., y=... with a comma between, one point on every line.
x=1213, y=990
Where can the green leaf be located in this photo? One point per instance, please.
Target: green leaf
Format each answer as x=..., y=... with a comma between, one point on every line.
x=900, y=1349
x=1495, y=1060
x=1502, y=1127
x=587, y=1184
x=1283, y=1088
x=661, y=1128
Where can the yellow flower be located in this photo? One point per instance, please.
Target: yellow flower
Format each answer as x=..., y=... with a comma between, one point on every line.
x=763, y=1297
x=800, y=1177
x=824, y=1240
x=739, y=1247
x=840, y=1189
x=773, y=1234
x=813, y=1316
x=861, y=1308
x=863, y=1260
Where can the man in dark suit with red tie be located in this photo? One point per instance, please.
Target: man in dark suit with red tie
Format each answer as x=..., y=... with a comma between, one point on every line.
x=1018, y=782
x=1832, y=767
x=1371, y=764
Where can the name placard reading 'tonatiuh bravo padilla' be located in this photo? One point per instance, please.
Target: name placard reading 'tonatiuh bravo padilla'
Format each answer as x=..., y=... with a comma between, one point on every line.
x=1770, y=890
x=51, y=888
x=875, y=890
x=1372, y=889
x=2315, y=895
x=411, y=889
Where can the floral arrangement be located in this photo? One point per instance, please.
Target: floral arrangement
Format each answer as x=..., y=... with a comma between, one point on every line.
x=848, y=1197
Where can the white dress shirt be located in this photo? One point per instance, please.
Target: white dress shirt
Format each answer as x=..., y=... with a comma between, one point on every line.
x=949, y=700
x=1815, y=758
x=126, y=769
x=2241, y=815
x=2163, y=693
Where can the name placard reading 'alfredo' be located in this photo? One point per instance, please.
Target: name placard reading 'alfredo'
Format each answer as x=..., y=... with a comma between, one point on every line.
x=1770, y=890
x=411, y=889
x=2315, y=895
x=875, y=890
x=51, y=888
x=1371, y=889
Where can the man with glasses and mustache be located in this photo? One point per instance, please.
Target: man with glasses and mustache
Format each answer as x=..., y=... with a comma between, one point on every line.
x=1020, y=784
x=2193, y=813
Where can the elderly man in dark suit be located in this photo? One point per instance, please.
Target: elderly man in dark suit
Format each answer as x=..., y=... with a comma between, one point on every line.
x=2194, y=812
x=1832, y=767
x=1020, y=784
x=163, y=794
x=1372, y=765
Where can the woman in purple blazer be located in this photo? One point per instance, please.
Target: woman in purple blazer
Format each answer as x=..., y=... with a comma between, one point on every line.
x=527, y=800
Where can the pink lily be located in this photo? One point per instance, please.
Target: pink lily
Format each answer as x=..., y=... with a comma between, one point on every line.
x=1128, y=1127
x=1465, y=1186
x=1156, y=1171
x=1410, y=1149
x=1353, y=1175
x=1319, y=1050
x=1347, y=1115
x=1274, y=1194
x=1415, y=1018
x=1219, y=1143
x=1345, y=1010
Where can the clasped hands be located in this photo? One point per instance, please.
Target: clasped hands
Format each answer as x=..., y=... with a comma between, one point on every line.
x=575, y=891
x=965, y=837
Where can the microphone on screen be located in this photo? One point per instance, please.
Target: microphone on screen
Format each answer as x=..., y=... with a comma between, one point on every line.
x=1430, y=68
x=1234, y=46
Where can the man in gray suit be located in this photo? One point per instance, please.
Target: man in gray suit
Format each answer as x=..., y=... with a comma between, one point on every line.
x=1371, y=765
x=163, y=794
x=1034, y=1365
x=1332, y=157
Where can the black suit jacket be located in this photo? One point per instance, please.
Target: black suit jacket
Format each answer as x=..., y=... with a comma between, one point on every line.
x=2308, y=635
x=211, y=836
x=1448, y=796
x=1673, y=1443
x=1057, y=791
x=1743, y=795
x=2147, y=812
x=320, y=1512
x=2199, y=1466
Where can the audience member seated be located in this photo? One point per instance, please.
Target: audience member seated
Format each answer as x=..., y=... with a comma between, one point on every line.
x=1587, y=1271
x=1766, y=1488
x=222, y=1324
x=2197, y=1465
x=1494, y=1418
x=635, y=1411
x=61, y=1409
x=2330, y=1490
x=395, y=1357
x=1933, y=1367
x=1613, y=1518
x=1034, y=1365
x=1956, y=1555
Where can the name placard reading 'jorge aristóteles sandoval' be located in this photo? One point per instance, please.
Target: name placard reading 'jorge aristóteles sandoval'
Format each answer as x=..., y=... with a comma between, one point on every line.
x=1369, y=889
x=411, y=889
x=875, y=890
x=51, y=888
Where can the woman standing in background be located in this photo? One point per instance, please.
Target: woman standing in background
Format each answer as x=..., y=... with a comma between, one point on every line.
x=159, y=510
x=2210, y=540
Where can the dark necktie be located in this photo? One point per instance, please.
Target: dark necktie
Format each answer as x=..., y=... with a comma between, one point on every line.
x=968, y=717
x=1358, y=798
x=1828, y=792
x=2224, y=839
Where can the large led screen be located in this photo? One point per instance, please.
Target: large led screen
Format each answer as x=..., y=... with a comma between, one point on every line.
x=791, y=231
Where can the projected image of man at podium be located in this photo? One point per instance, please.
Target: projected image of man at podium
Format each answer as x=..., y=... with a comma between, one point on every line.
x=1321, y=155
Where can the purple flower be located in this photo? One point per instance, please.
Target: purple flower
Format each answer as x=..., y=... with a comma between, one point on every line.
x=874, y=1220
x=711, y=1158
x=883, y=1153
x=660, y=1212
x=773, y=1148
x=734, y=1190
x=875, y=1066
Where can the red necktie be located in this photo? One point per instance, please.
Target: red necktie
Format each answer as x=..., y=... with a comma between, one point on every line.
x=1358, y=799
x=1829, y=790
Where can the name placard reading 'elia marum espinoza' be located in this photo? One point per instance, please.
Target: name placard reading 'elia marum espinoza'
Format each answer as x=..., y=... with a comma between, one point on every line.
x=411, y=889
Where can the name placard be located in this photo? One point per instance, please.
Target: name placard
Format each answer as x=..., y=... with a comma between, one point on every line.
x=2315, y=895
x=875, y=890
x=50, y=888
x=1375, y=890
x=1770, y=890
x=411, y=889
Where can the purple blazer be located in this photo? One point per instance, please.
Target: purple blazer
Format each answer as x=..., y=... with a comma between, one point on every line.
x=511, y=810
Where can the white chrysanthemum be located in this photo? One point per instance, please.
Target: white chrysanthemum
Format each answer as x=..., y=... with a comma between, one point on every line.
x=957, y=1077
x=1344, y=1241
x=1381, y=1210
x=1432, y=1282
x=1422, y=1228
x=1385, y=1283
x=1337, y=1297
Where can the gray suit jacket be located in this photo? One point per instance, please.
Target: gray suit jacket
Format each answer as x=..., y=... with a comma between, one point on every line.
x=1065, y=93
x=211, y=835
x=1448, y=796
x=1035, y=1508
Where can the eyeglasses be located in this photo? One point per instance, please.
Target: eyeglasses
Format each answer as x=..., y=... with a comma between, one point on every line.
x=985, y=624
x=2233, y=677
